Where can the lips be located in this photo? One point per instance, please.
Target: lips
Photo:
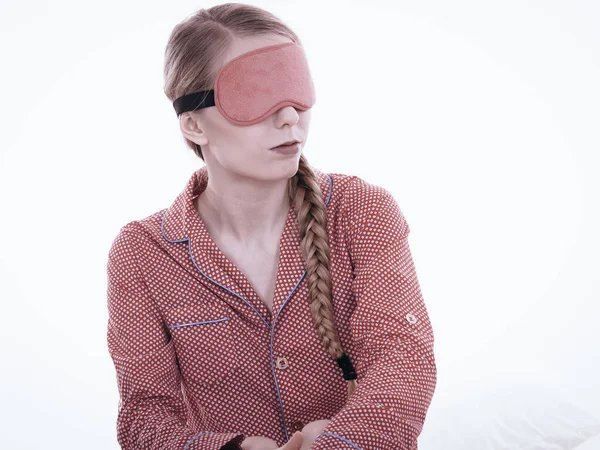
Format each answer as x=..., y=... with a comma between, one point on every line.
x=287, y=143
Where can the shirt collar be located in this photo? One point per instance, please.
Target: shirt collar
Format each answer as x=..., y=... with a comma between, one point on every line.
x=181, y=223
x=178, y=219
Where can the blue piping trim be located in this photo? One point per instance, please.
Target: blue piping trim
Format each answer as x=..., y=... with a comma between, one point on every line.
x=162, y=229
x=330, y=190
x=201, y=434
x=337, y=436
x=199, y=323
x=271, y=354
x=287, y=437
x=192, y=440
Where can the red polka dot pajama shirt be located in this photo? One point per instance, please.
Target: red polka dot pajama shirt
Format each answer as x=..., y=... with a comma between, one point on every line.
x=201, y=363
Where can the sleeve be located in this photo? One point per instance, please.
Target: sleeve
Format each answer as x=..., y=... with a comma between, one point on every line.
x=392, y=338
x=151, y=413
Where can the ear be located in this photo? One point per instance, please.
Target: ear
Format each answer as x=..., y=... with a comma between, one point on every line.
x=192, y=128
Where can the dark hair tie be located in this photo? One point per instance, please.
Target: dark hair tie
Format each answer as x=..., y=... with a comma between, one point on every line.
x=347, y=367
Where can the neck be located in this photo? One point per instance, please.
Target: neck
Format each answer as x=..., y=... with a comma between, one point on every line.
x=243, y=208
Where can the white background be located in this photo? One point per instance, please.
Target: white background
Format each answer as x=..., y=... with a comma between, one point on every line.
x=482, y=118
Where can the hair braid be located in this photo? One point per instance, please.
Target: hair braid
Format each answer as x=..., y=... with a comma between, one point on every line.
x=307, y=198
x=193, y=56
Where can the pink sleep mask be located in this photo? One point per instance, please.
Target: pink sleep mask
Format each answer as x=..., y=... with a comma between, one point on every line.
x=255, y=84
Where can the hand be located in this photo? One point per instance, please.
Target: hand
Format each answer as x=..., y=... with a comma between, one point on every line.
x=295, y=442
x=299, y=440
x=264, y=443
x=311, y=430
x=259, y=443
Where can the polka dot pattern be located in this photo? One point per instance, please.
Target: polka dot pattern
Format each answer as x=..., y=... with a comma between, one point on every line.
x=201, y=363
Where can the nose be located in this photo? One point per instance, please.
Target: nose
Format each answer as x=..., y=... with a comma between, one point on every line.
x=286, y=115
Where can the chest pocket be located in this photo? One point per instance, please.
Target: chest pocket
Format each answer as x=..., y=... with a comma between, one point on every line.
x=204, y=337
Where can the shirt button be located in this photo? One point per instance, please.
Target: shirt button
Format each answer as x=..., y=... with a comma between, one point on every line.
x=281, y=363
x=296, y=426
x=411, y=318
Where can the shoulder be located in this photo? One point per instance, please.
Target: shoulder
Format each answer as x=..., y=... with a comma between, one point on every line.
x=137, y=233
x=371, y=207
x=352, y=188
x=363, y=196
x=355, y=191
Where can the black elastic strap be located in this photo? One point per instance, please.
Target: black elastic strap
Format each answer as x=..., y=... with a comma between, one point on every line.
x=235, y=443
x=194, y=101
x=347, y=367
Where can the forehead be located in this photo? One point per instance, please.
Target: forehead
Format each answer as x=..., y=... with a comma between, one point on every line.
x=246, y=44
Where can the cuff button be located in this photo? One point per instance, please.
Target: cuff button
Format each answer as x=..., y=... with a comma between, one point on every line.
x=411, y=318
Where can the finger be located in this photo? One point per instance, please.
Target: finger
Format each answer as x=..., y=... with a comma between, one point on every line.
x=295, y=442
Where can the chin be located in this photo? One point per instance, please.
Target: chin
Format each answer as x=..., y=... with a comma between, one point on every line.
x=284, y=169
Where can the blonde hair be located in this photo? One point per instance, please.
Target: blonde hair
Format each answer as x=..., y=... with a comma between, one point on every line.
x=193, y=56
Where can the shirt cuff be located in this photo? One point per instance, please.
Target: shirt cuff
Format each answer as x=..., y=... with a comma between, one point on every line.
x=333, y=441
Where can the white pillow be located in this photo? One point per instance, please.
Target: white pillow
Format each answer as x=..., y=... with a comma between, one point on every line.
x=591, y=444
x=504, y=413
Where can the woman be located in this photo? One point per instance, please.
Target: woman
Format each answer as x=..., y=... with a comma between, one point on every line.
x=271, y=306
